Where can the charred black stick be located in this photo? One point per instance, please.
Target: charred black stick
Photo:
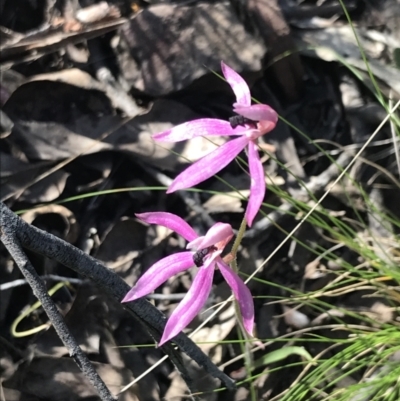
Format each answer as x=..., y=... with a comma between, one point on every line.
x=13, y=245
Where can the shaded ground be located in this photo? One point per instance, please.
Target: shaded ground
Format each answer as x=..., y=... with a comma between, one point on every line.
x=82, y=91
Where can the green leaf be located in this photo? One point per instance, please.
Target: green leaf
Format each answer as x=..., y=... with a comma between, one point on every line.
x=280, y=354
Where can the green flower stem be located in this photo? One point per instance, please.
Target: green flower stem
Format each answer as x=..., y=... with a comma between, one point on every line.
x=245, y=347
x=236, y=244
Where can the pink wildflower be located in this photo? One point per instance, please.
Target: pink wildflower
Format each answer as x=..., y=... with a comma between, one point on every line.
x=251, y=122
x=205, y=254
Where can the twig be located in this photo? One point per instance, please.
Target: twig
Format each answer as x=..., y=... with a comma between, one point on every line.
x=55, y=248
x=113, y=88
x=12, y=244
x=166, y=297
x=78, y=281
x=52, y=277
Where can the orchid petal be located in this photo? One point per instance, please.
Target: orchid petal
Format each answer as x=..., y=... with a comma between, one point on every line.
x=241, y=293
x=218, y=233
x=171, y=221
x=265, y=126
x=158, y=273
x=257, y=112
x=195, y=128
x=238, y=85
x=257, y=183
x=194, y=245
x=190, y=305
x=209, y=164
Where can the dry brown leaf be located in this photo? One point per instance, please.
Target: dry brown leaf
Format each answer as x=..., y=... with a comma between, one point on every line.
x=224, y=203
x=123, y=243
x=81, y=79
x=327, y=43
x=222, y=326
x=295, y=318
x=59, y=379
x=17, y=47
x=177, y=44
x=177, y=391
x=85, y=320
x=87, y=125
x=47, y=189
x=97, y=12
x=66, y=225
x=383, y=313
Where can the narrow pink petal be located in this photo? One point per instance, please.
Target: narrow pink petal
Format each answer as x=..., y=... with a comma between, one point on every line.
x=257, y=112
x=195, y=128
x=158, y=273
x=218, y=233
x=190, y=305
x=171, y=221
x=257, y=183
x=241, y=293
x=238, y=85
x=209, y=164
x=194, y=245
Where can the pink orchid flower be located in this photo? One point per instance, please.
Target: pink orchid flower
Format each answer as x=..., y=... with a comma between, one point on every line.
x=205, y=253
x=251, y=122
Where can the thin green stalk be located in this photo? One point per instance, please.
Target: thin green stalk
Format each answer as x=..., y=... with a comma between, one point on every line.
x=245, y=347
x=236, y=244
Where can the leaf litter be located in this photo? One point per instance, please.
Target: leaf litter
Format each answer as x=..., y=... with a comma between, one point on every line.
x=83, y=90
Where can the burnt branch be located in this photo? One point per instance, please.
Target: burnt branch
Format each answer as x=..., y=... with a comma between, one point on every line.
x=55, y=248
x=12, y=244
